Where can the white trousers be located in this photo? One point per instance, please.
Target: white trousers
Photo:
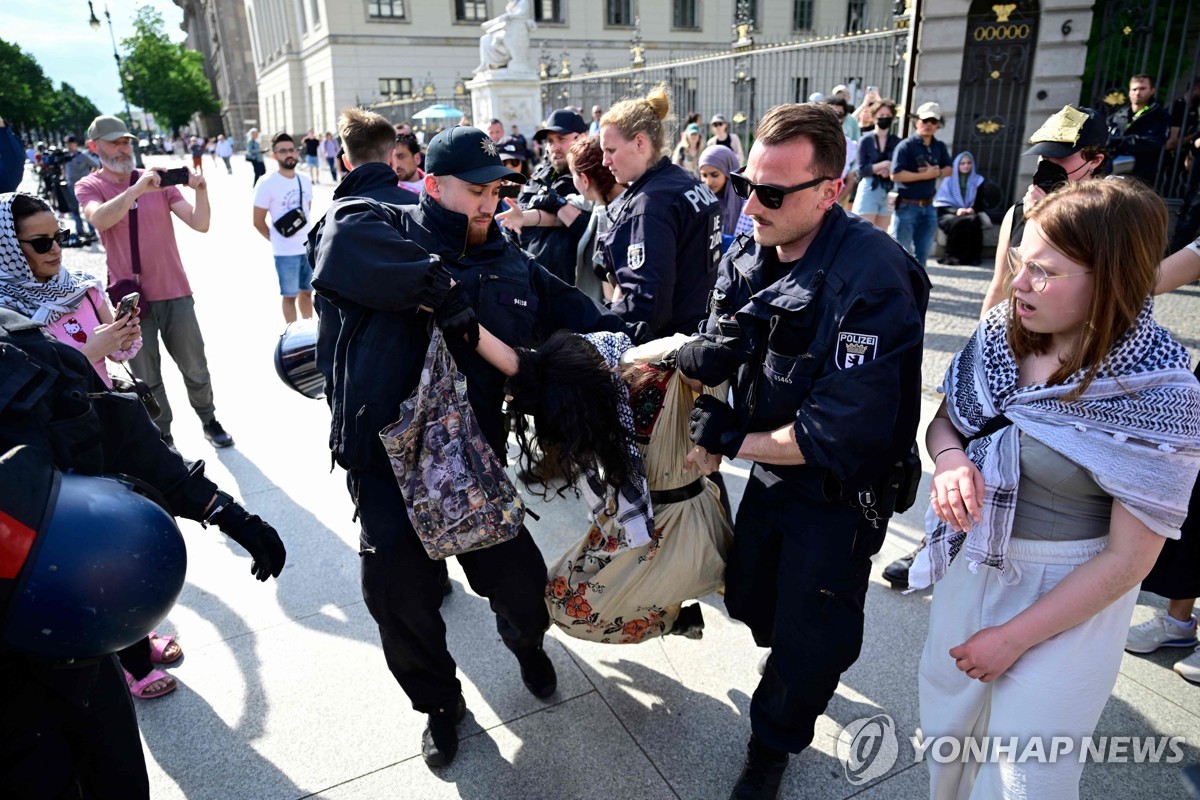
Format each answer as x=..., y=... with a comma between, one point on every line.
x=1056, y=688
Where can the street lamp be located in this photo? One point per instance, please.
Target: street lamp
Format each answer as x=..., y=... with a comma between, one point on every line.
x=95, y=24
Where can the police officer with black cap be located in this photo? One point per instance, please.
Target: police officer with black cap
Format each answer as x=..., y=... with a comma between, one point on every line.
x=819, y=321
x=382, y=267
x=67, y=725
x=554, y=237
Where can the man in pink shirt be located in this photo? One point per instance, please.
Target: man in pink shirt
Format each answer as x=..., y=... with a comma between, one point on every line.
x=122, y=202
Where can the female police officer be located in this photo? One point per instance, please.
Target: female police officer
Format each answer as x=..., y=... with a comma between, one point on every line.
x=665, y=240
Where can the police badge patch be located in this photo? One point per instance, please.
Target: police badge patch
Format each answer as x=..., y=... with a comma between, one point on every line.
x=635, y=256
x=855, y=349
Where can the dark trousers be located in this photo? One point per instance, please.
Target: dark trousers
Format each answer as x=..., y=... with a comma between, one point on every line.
x=797, y=575
x=402, y=588
x=69, y=732
x=260, y=169
x=964, y=236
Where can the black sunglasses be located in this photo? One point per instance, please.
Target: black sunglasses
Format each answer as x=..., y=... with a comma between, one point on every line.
x=769, y=196
x=42, y=244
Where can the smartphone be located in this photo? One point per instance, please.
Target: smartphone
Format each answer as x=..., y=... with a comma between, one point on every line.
x=128, y=304
x=871, y=89
x=509, y=190
x=173, y=177
x=922, y=162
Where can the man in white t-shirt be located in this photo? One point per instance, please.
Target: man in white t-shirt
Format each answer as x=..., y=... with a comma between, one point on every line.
x=279, y=195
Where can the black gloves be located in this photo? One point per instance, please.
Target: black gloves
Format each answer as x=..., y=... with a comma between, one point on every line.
x=715, y=426
x=456, y=317
x=255, y=536
x=436, y=284
x=712, y=358
x=546, y=199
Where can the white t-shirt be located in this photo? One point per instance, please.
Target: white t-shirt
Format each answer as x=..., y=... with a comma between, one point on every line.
x=279, y=195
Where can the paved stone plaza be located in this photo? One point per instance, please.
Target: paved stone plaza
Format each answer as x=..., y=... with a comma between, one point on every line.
x=284, y=692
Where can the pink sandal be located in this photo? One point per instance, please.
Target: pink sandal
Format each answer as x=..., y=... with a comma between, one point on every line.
x=139, y=688
x=158, y=649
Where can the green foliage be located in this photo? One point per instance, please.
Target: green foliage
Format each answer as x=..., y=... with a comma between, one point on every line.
x=163, y=77
x=26, y=94
x=75, y=112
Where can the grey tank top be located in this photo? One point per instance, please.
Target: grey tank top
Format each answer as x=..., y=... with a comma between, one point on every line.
x=1057, y=500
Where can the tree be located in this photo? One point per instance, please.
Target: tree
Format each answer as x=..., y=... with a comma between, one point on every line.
x=26, y=94
x=162, y=77
x=74, y=112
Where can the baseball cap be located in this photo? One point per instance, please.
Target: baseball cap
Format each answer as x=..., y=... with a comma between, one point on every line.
x=468, y=154
x=510, y=149
x=110, y=129
x=692, y=128
x=564, y=120
x=718, y=118
x=1067, y=132
x=929, y=110
x=841, y=87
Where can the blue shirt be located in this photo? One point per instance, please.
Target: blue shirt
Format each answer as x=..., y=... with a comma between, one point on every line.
x=905, y=160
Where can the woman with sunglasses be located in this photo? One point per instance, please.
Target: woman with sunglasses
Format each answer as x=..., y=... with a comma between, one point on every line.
x=72, y=306
x=1064, y=455
x=723, y=136
x=664, y=242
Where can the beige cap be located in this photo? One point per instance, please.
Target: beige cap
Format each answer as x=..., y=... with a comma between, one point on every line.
x=110, y=129
x=930, y=111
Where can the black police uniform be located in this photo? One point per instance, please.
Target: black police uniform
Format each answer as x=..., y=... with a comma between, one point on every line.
x=663, y=247
x=69, y=729
x=1141, y=135
x=371, y=264
x=835, y=342
x=552, y=247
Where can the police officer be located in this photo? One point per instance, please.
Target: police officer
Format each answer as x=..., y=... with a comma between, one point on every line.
x=67, y=725
x=373, y=264
x=819, y=320
x=553, y=237
x=664, y=241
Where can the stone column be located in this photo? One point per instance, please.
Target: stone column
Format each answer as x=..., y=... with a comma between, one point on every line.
x=514, y=100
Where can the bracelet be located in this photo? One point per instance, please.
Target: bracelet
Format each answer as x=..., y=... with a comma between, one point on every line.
x=946, y=450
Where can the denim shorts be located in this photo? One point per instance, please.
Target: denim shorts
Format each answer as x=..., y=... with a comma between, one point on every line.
x=871, y=200
x=295, y=274
x=311, y=161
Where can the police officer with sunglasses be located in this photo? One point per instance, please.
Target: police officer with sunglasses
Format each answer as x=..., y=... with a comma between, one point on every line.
x=818, y=320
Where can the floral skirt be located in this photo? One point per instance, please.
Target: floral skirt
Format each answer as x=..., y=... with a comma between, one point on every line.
x=605, y=592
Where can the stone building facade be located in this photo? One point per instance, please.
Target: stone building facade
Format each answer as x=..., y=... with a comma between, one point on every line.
x=218, y=29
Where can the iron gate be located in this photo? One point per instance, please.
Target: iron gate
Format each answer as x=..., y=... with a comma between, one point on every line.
x=997, y=62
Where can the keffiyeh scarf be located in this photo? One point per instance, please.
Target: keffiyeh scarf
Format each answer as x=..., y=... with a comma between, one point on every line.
x=1135, y=430
x=634, y=513
x=21, y=292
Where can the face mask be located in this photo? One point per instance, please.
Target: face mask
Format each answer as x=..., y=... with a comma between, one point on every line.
x=1049, y=176
x=884, y=122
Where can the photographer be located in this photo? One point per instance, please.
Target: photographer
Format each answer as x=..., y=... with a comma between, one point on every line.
x=132, y=211
x=288, y=198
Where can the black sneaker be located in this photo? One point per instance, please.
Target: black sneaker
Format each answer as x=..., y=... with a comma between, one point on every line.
x=689, y=623
x=216, y=435
x=439, y=742
x=762, y=773
x=896, y=573
x=537, y=671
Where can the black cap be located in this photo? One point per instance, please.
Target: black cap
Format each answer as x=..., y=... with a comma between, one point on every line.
x=511, y=148
x=564, y=121
x=468, y=154
x=1068, y=132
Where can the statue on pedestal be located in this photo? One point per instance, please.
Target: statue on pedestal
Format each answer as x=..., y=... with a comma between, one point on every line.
x=505, y=40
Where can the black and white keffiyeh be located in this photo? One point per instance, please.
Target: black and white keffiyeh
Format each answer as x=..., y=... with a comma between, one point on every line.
x=1135, y=430
x=634, y=512
x=21, y=292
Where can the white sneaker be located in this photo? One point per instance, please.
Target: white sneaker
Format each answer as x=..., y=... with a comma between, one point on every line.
x=1159, y=632
x=1189, y=667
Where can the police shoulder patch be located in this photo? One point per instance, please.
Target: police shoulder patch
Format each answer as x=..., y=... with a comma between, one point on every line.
x=855, y=349
x=635, y=256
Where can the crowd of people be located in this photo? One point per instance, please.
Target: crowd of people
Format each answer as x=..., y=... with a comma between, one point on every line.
x=634, y=311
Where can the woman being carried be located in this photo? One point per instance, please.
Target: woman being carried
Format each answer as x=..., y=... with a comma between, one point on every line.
x=1064, y=455
x=616, y=419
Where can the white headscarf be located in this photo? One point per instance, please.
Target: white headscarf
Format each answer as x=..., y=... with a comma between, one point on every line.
x=21, y=291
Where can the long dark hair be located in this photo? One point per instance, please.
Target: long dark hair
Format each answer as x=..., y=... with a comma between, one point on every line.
x=573, y=397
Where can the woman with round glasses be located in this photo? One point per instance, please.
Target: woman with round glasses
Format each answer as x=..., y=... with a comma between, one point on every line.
x=1064, y=454
x=664, y=242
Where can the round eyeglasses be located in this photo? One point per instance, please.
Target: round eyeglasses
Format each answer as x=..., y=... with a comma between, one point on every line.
x=42, y=244
x=1038, y=277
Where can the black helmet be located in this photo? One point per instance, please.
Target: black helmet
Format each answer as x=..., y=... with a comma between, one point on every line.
x=296, y=359
x=87, y=565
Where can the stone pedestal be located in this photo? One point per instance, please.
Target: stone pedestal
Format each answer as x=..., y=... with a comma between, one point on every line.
x=512, y=98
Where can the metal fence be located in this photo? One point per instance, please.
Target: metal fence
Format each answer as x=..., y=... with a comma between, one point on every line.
x=404, y=110
x=743, y=84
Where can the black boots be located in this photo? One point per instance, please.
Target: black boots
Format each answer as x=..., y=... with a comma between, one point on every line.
x=537, y=672
x=689, y=623
x=762, y=774
x=439, y=742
